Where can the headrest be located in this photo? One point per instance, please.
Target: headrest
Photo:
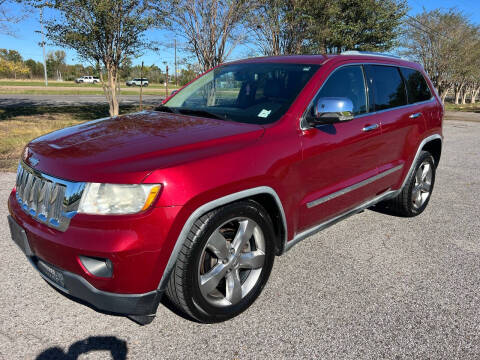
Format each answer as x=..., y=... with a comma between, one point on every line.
x=274, y=88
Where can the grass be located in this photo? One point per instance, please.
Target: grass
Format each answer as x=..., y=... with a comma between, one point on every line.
x=20, y=125
x=466, y=107
x=75, y=92
x=13, y=83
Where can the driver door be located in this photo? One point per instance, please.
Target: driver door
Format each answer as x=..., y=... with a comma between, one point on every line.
x=340, y=160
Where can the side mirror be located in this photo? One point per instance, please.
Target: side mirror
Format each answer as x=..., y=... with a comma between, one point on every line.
x=330, y=110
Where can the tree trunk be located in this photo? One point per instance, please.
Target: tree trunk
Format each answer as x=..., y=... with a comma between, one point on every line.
x=475, y=92
x=444, y=96
x=111, y=90
x=464, y=97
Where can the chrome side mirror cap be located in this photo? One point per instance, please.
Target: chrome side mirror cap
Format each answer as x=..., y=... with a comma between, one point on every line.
x=329, y=110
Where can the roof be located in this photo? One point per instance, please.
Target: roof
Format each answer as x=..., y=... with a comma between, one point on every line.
x=322, y=59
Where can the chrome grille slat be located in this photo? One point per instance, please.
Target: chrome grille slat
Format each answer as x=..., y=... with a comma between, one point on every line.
x=47, y=199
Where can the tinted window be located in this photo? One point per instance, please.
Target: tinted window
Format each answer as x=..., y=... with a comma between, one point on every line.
x=417, y=87
x=387, y=86
x=347, y=82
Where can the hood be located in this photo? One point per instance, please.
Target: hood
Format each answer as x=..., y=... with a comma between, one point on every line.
x=127, y=148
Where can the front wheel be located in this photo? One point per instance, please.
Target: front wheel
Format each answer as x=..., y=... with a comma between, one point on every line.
x=415, y=195
x=225, y=262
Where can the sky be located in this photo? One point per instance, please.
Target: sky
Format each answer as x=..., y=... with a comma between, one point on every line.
x=27, y=40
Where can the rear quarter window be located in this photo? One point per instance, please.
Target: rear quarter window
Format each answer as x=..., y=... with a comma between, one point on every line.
x=387, y=86
x=417, y=87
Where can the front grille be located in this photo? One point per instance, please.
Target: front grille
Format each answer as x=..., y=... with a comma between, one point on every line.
x=49, y=200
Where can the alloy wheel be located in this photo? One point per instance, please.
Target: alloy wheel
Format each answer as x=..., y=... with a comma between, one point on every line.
x=231, y=262
x=423, y=184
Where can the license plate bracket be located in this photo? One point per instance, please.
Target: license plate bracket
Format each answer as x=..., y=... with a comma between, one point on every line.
x=51, y=273
x=19, y=236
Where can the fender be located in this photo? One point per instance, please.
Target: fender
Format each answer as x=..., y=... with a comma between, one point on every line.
x=206, y=208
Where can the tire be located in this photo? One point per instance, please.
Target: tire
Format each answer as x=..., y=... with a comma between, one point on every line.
x=415, y=195
x=216, y=278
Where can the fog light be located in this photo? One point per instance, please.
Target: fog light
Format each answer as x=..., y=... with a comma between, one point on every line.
x=97, y=266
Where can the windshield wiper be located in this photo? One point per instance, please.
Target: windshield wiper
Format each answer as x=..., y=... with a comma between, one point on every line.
x=201, y=113
x=164, y=108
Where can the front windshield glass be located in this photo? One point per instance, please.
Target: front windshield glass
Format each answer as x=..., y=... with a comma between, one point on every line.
x=258, y=93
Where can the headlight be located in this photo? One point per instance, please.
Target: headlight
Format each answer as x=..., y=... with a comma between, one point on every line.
x=112, y=199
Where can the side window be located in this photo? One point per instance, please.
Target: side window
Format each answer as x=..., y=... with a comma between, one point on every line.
x=417, y=87
x=347, y=82
x=387, y=86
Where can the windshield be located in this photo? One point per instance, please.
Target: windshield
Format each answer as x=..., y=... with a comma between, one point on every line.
x=258, y=93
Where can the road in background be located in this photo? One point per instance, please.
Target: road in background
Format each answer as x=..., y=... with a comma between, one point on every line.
x=372, y=286
x=17, y=100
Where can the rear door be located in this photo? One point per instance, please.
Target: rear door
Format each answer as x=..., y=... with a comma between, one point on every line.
x=402, y=123
x=339, y=160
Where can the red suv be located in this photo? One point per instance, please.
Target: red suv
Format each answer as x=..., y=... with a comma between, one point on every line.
x=194, y=199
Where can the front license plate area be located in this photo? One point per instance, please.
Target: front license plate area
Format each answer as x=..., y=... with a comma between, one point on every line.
x=51, y=273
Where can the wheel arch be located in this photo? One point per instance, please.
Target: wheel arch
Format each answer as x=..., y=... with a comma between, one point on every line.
x=435, y=138
x=434, y=147
x=264, y=195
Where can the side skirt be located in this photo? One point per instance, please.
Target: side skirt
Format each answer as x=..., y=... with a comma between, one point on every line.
x=309, y=232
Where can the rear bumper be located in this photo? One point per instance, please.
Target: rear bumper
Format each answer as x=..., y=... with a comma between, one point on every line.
x=78, y=288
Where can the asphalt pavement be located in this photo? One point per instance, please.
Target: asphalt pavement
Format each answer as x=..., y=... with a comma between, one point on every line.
x=372, y=286
x=18, y=100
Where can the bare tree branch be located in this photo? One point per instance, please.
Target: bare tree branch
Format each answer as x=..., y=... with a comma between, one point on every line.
x=211, y=28
x=9, y=16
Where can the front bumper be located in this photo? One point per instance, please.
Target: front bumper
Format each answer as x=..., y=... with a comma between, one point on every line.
x=77, y=287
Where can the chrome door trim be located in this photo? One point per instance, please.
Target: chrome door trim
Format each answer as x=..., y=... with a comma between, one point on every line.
x=309, y=232
x=386, y=195
x=432, y=99
x=353, y=187
x=210, y=206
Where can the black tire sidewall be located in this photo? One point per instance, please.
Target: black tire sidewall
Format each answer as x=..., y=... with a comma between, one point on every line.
x=203, y=310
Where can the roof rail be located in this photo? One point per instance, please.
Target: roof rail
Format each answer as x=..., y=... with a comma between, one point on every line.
x=370, y=53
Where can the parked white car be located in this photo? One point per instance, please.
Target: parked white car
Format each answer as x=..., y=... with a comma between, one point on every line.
x=87, y=79
x=138, y=82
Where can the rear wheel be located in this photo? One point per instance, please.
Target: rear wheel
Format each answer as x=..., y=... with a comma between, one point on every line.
x=415, y=195
x=224, y=263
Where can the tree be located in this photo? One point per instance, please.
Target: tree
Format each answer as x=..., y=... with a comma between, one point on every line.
x=16, y=68
x=211, y=28
x=365, y=25
x=189, y=73
x=9, y=17
x=11, y=62
x=279, y=26
x=446, y=44
x=11, y=55
x=323, y=26
x=56, y=63
x=104, y=32
x=126, y=69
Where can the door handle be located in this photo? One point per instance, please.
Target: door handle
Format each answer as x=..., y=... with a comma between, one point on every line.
x=370, y=127
x=416, y=115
